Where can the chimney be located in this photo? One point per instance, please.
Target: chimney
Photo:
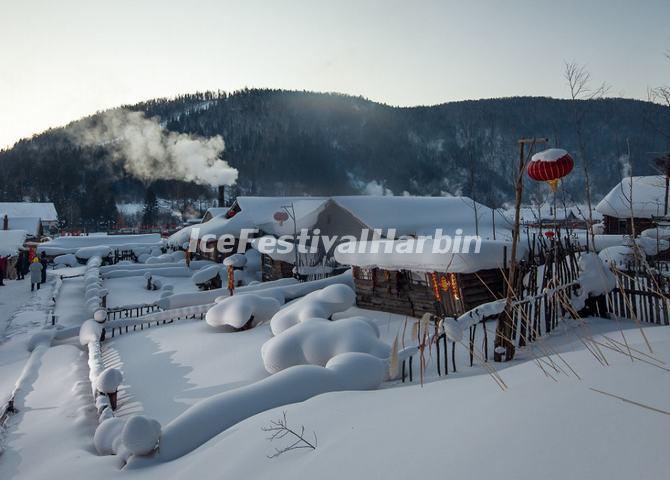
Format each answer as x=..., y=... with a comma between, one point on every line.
x=5, y=222
x=222, y=195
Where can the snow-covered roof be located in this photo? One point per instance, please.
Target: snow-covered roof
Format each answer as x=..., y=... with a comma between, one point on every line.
x=214, y=212
x=11, y=241
x=648, y=197
x=46, y=211
x=257, y=212
x=373, y=254
x=62, y=245
x=29, y=224
x=408, y=215
x=422, y=215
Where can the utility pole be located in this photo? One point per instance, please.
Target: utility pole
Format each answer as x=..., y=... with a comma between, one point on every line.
x=504, y=348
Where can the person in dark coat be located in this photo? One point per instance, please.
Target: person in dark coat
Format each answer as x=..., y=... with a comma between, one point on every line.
x=21, y=265
x=44, y=262
x=35, y=274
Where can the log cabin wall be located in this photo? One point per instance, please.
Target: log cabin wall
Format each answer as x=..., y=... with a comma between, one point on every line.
x=622, y=226
x=411, y=294
x=392, y=292
x=483, y=287
x=274, y=269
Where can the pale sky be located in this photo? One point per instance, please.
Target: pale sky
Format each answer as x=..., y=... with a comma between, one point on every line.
x=63, y=59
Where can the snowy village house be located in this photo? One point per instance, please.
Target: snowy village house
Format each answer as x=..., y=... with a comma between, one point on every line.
x=363, y=218
x=45, y=212
x=634, y=204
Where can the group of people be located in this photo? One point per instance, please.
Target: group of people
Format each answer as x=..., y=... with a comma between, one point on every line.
x=36, y=266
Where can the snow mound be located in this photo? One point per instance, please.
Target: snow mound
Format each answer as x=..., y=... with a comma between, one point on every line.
x=109, y=380
x=618, y=256
x=89, y=252
x=318, y=304
x=549, y=155
x=662, y=233
x=316, y=340
x=68, y=260
x=209, y=417
x=43, y=337
x=140, y=435
x=206, y=274
x=107, y=436
x=595, y=278
x=89, y=332
x=237, y=310
x=362, y=371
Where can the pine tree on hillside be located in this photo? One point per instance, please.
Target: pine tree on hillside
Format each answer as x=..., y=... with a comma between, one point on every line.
x=150, y=214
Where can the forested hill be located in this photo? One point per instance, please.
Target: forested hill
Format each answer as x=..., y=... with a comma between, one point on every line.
x=287, y=142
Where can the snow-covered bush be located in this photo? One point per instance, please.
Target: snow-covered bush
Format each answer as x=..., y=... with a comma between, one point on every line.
x=109, y=380
x=316, y=340
x=140, y=435
x=237, y=311
x=319, y=304
x=595, y=278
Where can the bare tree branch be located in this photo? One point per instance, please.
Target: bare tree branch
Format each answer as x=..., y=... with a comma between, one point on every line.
x=280, y=429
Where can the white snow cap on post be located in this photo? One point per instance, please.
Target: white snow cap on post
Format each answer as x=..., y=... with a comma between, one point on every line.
x=238, y=309
x=316, y=340
x=109, y=380
x=318, y=304
x=141, y=434
x=89, y=332
x=107, y=438
x=100, y=315
x=237, y=260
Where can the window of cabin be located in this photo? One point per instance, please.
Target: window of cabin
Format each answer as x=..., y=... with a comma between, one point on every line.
x=365, y=273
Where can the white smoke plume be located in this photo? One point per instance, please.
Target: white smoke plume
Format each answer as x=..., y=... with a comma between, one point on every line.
x=150, y=152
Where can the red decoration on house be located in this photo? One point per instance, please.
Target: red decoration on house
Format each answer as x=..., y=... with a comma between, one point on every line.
x=550, y=166
x=549, y=234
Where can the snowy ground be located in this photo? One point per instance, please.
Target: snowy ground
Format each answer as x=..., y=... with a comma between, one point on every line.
x=132, y=291
x=462, y=425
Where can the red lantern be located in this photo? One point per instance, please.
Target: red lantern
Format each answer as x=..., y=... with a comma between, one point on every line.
x=549, y=234
x=280, y=216
x=550, y=166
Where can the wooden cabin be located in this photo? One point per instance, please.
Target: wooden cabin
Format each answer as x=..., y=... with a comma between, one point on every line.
x=414, y=283
x=412, y=293
x=634, y=202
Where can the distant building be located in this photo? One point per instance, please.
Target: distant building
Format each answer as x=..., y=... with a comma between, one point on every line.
x=634, y=202
x=45, y=211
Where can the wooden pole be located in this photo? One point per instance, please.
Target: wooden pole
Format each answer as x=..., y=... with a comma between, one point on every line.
x=504, y=348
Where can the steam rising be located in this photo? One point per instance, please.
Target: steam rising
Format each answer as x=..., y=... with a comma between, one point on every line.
x=150, y=152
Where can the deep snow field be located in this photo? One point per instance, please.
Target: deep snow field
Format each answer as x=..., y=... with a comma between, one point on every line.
x=462, y=425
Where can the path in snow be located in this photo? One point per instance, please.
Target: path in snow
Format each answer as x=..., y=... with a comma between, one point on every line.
x=56, y=419
x=70, y=309
x=21, y=313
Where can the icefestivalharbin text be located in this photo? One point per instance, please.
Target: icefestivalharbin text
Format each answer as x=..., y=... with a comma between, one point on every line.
x=370, y=241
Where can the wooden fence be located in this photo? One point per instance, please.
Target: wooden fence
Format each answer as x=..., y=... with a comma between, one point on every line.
x=643, y=297
x=131, y=311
